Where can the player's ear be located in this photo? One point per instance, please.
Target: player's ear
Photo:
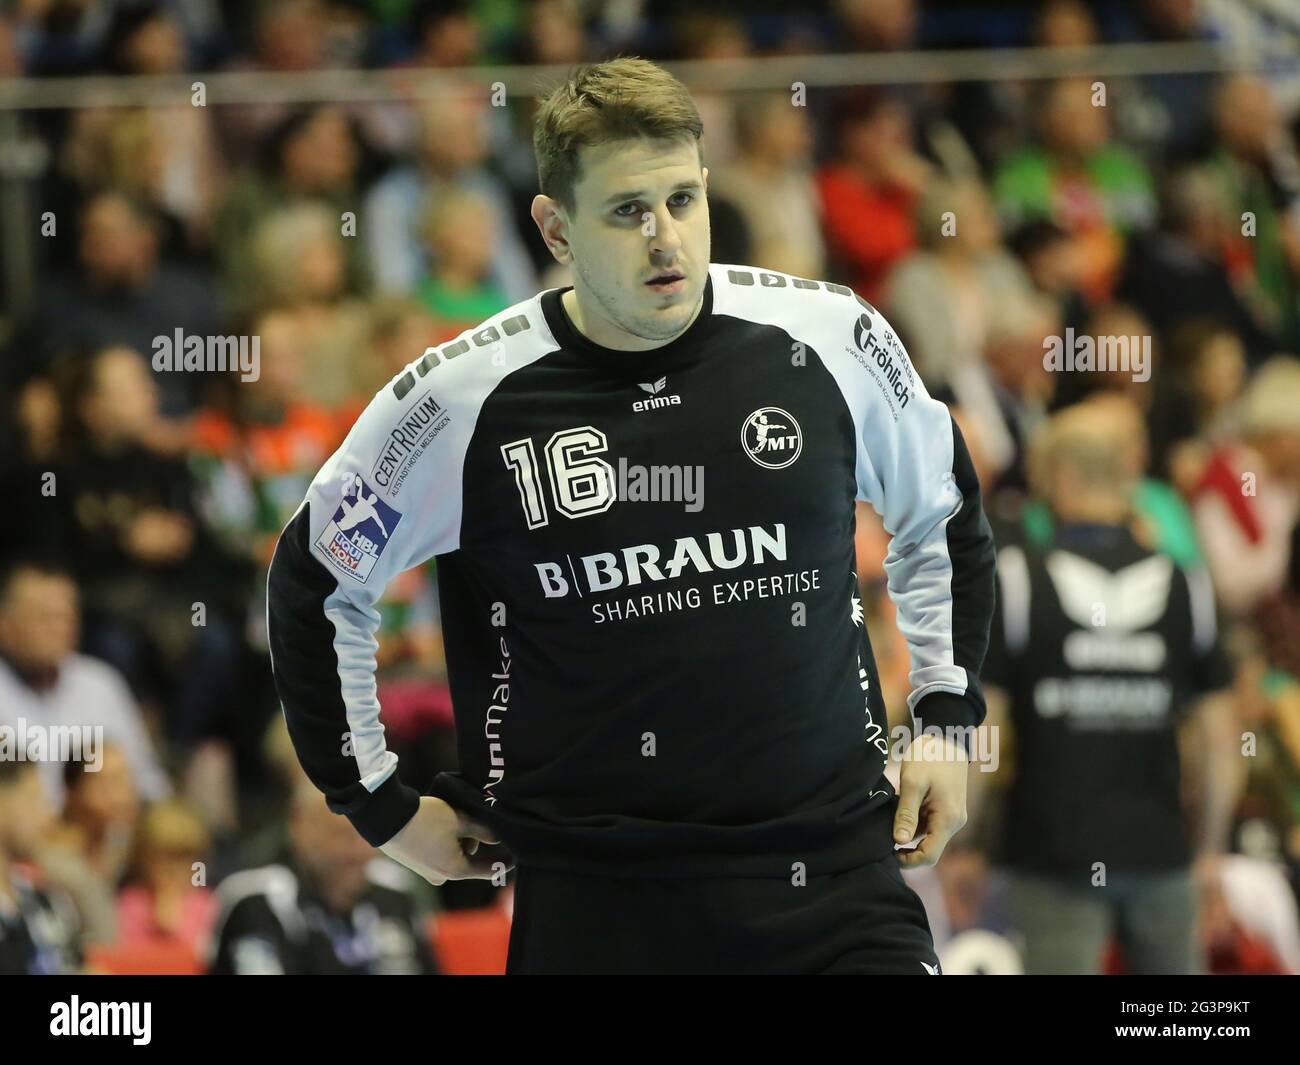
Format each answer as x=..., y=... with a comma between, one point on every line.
x=704, y=174
x=553, y=226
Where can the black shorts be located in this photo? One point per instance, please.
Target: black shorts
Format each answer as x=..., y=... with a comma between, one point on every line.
x=865, y=920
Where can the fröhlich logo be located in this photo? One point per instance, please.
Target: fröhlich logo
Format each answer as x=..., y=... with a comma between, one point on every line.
x=892, y=370
x=359, y=531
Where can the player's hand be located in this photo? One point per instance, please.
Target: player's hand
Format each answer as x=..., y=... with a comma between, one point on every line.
x=932, y=798
x=440, y=844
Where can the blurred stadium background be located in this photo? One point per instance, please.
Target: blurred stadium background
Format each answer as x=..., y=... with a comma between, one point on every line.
x=349, y=181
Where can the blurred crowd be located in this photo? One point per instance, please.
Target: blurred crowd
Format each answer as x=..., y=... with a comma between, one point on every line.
x=982, y=218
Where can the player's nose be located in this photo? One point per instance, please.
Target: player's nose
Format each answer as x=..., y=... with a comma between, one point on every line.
x=665, y=240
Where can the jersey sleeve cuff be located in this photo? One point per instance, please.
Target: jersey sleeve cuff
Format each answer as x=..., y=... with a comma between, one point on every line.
x=944, y=710
x=386, y=812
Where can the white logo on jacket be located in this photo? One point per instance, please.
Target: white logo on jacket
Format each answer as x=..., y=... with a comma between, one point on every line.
x=655, y=388
x=771, y=437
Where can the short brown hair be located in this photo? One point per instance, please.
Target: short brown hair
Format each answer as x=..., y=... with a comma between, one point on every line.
x=621, y=99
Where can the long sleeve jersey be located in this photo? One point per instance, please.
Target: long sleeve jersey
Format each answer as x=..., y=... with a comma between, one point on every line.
x=657, y=656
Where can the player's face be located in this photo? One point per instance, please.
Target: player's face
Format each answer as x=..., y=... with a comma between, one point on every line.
x=640, y=211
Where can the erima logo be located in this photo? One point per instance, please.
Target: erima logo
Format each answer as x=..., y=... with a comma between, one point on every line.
x=605, y=570
x=658, y=401
x=771, y=437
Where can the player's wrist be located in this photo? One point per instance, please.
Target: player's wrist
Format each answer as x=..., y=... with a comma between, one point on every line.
x=946, y=714
x=386, y=812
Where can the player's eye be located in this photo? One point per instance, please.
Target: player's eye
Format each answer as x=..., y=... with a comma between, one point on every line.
x=637, y=210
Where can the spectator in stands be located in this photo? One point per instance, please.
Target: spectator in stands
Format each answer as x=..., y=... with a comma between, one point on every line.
x=1247, y=500
x=702, y=34
x=30, y=465
x=334, y=908
x=1123, y=648
x=185, y=170
x=460, y=233
x=1249, y=919
x=119, y=149
x=11, y=59
x=875, y=25
x=299, y=262
x=1054, y=262
x=1182, y=265
x=869, y=190
x=1268, y=704
x=1094, y=188
x=122, y=294
x=159, y=594
x=39, y=930
x=942, y=297
x=258, y=449
x=1064, y=24
x=1217, y=373
x=46, y=683
x=287, y=35
x=453, y=151
x=87, y=850
x=167, y=898
x=445, y=32
x=1175, y=107
x=1257, y=196
x=949, y=298
x=552, y=33
x=1022, y=386
x=312, y=155
x=1207, y=360
x=401, y=328
x=774, y=166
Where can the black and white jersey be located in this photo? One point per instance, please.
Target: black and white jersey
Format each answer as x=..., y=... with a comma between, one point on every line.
x=1102, y=645
x=272, y=923
x=666, y=686
x=39, y=930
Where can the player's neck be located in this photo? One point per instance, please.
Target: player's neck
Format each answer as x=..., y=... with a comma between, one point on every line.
x=610, y=336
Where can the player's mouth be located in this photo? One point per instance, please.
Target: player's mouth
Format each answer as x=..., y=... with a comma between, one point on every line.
x=668, y=282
